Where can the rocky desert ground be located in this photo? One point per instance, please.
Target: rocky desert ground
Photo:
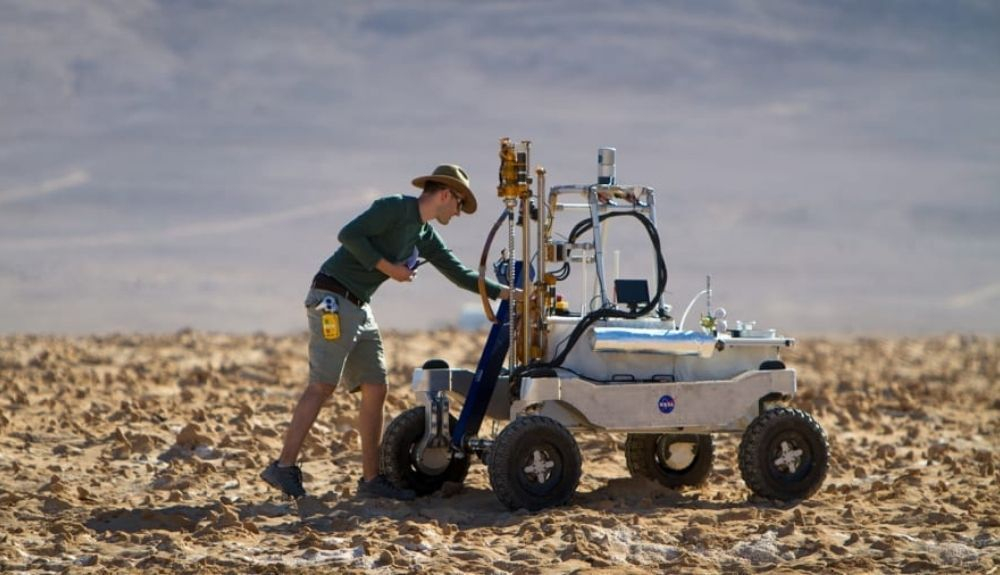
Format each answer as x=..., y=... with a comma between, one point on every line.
x=140, y=453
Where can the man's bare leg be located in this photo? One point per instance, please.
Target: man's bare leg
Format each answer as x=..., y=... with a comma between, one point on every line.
x=302, y=420
x=372, y=404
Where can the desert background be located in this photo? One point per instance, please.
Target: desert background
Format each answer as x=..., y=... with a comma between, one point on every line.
x=129, y=453
x=172, y=174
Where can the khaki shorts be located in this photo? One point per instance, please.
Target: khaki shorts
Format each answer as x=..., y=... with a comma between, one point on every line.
x=355, y=356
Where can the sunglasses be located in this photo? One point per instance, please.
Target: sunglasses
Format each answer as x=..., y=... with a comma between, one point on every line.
x=458, y=198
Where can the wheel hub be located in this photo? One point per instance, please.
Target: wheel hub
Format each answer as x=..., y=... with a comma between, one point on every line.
x=789, y=459
x=679, y=455
x=433, y=459
x=540, y=467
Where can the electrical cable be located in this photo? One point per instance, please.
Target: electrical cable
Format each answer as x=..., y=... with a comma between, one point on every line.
x=605, y=312
x=562, y=273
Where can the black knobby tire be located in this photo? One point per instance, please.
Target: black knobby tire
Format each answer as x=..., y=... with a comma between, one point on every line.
x=649, y=455
x=534, y=463
x=398, y=455
x=784, y=455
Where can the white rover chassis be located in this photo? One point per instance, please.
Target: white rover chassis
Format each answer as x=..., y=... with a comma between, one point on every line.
x=669, y=390
x=714, y=384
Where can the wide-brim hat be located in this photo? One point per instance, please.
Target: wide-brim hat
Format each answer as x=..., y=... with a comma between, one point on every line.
x=455, y=178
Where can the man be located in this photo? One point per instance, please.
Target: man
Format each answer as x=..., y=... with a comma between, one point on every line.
x=381, y=243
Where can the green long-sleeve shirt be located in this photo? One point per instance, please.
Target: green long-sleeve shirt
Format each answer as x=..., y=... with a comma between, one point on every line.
x=391, y=228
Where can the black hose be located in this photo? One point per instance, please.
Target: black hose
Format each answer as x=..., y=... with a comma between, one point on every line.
x=604, y=313
x=562, y=273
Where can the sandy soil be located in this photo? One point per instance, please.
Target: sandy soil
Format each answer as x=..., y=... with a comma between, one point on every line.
x=141, y=453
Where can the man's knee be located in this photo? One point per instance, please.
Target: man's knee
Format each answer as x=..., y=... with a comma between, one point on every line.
x=320, y=391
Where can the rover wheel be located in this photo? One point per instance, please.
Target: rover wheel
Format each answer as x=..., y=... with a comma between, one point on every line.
x=398, y=455
x=784, y=455
x=673, y=460
x=534, y=463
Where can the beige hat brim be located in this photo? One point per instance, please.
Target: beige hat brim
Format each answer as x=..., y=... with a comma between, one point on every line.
x=469, y=204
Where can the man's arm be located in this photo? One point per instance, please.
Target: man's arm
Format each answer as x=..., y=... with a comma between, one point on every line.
x=398, y=272
x=378, y=218
x=433, y=249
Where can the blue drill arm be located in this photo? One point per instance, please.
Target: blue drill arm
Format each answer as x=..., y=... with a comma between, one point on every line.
x=487, y=371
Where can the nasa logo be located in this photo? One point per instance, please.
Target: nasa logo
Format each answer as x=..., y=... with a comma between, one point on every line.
x=666, y=404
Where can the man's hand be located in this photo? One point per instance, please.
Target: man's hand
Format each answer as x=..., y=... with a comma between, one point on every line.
x=398, y=272
x=505, y=293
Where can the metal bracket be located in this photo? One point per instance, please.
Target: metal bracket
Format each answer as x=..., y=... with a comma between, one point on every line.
x=433, y=451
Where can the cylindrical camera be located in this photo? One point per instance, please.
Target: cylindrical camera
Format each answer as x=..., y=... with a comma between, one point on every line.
x=606, y=166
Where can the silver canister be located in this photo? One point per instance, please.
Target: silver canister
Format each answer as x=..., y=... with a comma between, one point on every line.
x=645, y=340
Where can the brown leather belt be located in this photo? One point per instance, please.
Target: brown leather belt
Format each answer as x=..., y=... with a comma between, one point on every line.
x=328, y=283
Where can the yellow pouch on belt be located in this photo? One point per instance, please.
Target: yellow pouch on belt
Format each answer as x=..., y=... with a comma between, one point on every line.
x=331, y=319
x=331, y=325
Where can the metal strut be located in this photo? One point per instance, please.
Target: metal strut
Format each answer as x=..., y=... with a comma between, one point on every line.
x=512, y=263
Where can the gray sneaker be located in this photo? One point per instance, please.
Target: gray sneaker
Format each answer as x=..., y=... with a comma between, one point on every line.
x=381, y=487
x=287, y=479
